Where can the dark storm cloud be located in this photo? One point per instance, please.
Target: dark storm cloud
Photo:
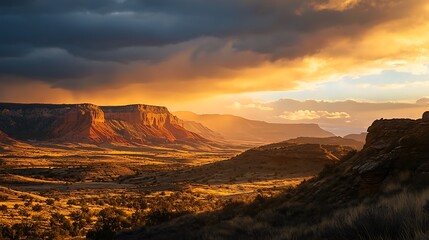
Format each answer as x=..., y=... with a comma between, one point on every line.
x=92, y=35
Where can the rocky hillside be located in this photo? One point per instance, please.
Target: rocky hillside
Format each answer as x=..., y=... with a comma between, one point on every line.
x=132, y=124
x=381, y=192
x=240, y=129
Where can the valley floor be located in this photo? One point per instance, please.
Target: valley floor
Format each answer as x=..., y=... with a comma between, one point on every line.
x=42, y=182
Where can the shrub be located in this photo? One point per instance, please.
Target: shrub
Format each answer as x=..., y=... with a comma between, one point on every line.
x=3, y=208
x=50, y=201
x=110, y=221
x=60, y=225
x=37, y=208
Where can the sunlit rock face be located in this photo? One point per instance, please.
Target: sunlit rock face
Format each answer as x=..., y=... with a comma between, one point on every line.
x=133, y=124
x=145, y=114
x=87, y=113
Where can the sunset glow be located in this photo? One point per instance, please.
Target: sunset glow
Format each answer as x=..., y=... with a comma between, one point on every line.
x=192, y=54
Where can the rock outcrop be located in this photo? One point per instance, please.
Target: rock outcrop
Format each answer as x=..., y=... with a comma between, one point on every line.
x=393, y=147
x=132, y=124
x=141, y=114
x=143, y=123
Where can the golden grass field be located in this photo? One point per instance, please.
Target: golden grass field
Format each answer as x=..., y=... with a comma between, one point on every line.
x=42, y=179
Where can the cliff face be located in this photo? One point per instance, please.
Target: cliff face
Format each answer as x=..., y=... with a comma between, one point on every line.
x=134, y=124
x=141, y=114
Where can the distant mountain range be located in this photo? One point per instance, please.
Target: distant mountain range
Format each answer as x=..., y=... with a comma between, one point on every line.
x=240, y=129
x=139, y=124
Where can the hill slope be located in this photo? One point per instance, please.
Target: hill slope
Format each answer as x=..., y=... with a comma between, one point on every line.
x=244, y=130
x=271, y=162
x=202, y=130
x=358, y=137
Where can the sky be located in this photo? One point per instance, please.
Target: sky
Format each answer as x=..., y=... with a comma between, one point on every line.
x=221, y=56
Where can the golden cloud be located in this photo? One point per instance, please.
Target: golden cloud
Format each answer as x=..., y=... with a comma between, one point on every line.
x=311, y=115
x=397, y=39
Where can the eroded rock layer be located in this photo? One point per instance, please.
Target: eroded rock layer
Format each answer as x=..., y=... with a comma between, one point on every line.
x=136, y=124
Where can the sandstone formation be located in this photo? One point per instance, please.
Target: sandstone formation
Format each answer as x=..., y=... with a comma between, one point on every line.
x=133, y=124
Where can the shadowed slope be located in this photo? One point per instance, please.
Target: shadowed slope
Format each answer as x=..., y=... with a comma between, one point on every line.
x=281, y=161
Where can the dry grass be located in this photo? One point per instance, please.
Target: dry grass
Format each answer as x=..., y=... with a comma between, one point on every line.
x=404, y=216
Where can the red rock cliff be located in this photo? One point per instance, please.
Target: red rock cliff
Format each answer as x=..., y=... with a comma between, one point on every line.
x=132, y=124
x=145, y=114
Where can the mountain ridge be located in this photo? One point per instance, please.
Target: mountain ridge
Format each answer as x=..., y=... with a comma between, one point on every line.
x=240, y=129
